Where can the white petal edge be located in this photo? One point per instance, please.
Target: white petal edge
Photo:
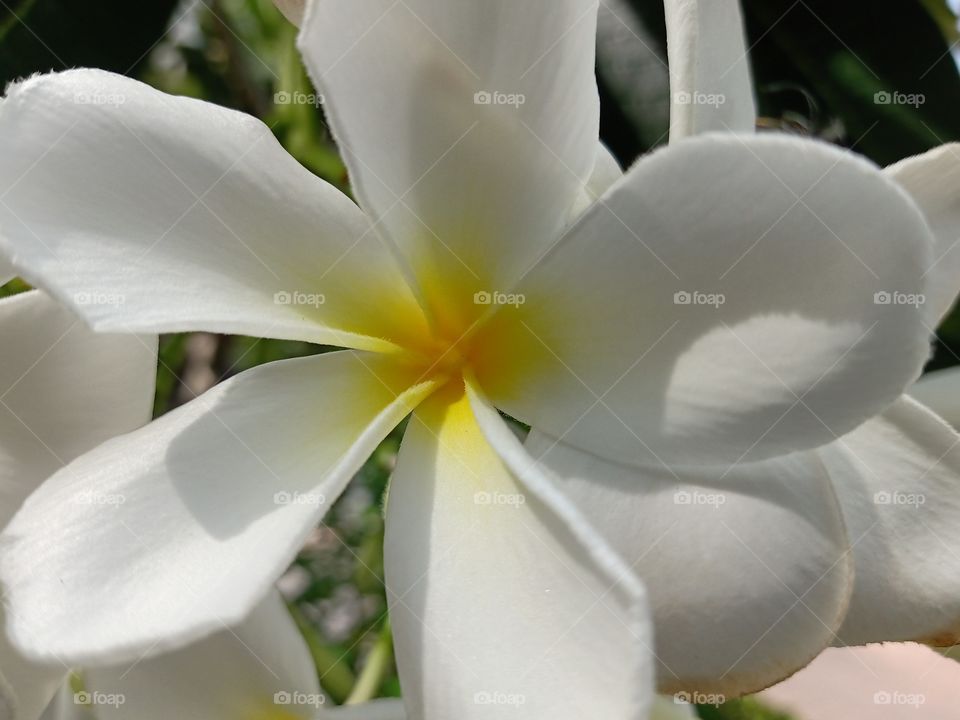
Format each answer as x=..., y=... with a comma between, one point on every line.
x=748, y=567
x=933, y=180
x=606, y=172
x=710, y=83
x=63, y=390
x=722, y=302
x=148, y=212
x=176, y=530
x=940, y=391
x=897, y=477
x=532, y=571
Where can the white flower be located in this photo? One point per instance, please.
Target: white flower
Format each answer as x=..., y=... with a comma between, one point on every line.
x=56, y=402
x=64, y=390
x=854, y=543
x=714, y=306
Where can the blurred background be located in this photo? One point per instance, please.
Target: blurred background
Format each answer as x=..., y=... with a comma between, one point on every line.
x=878, y=78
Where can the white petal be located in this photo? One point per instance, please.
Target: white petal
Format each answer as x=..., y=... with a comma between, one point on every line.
x=747, y=567
x=722, y=302
x=940, y=391
x=259, y=669
x=7, y=271
x=710, y=82
x=25, y=687
x=670, y=708
x=150, y=212
x=933, y=180
x=471, y=191
x=897, y=478
x=497, y=586
x=606, y=172
x=170, y=532
x=63, y=390
x=64, y=706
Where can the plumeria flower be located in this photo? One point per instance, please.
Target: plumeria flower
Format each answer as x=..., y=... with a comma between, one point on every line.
x=57, y=402
x=712, y=307
x=755, y=565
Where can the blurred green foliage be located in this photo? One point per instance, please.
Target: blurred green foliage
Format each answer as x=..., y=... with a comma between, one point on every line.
x=818, y=66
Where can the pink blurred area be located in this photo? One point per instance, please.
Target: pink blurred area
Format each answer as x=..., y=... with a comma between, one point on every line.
x=895, y=681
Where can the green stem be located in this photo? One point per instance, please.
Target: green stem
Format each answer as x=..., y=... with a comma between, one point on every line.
x=375, y=670
x=335, y=675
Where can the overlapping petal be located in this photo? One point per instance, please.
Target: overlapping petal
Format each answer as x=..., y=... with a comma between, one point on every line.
x=57, y=402
x=710, y=84
x=499, y=587
x=755, y=306
x=57, y=399
x=171, y=532
x=259, y=669
x=469, y=128
x=149, y=212
x=897, y=477
x=933, y=180
x=747, y=566
x=940, y=391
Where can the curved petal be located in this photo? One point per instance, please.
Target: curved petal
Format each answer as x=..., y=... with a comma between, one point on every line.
x=933, y=180
x=477, y=553
x=606, y=172
x=940, y=391
x=747, y=567
x=897, y=478
x=7, y=271
x=149, y=212
x=56, y=402
x=724, y=301
x=710, y=84
x=469, y=128
x=63, y=390
x=26, y=688
x=175, y=530
x=258, y=669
